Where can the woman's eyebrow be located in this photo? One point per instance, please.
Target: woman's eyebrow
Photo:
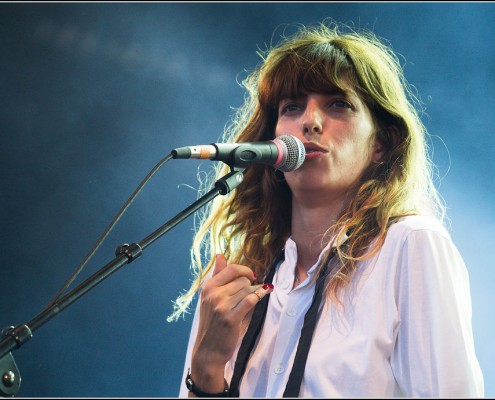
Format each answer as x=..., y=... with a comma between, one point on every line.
x=343, y=92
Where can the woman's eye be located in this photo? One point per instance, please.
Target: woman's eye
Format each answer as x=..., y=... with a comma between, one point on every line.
x=341, y=104
x=291, y=107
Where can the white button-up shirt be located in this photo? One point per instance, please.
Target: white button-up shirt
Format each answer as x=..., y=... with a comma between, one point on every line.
x=403, y=330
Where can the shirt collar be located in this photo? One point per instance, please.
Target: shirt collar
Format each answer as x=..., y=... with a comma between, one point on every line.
x=291, y=256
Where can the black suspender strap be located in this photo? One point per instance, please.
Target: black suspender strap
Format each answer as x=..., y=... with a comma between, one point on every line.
x=296, y=374
x=252, y=332
x=295, y=378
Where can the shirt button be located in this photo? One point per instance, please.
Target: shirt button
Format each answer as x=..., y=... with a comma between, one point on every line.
x=279, y=369
x=291, y=312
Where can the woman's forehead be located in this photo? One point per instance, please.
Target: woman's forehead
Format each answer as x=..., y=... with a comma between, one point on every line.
x=300, y=79
x=344, y=88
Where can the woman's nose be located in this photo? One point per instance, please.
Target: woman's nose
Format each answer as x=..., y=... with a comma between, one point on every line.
x=313, y=121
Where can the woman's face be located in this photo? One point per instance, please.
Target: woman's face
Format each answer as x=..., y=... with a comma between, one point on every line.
x=338, y=133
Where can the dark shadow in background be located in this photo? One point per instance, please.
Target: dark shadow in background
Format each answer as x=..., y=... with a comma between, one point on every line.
x=94, y=95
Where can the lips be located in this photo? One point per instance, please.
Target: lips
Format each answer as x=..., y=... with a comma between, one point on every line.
x=312, y=147
x=314, y=150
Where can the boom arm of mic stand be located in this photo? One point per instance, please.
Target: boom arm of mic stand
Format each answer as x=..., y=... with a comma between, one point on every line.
x=15, y=337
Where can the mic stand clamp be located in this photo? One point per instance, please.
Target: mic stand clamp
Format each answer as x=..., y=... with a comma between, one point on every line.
x=131, y=251
x=11, y=378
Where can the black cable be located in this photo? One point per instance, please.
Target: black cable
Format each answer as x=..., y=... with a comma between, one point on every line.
x=112, y=224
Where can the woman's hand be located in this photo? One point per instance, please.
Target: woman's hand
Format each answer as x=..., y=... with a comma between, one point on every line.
x=226, y=299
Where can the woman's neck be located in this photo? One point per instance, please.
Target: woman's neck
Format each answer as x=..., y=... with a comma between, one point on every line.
x=310, y=231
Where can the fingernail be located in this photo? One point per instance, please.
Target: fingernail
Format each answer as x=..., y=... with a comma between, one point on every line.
x=267, y=286
x=255, y=276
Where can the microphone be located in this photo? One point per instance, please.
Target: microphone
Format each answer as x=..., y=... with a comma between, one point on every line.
x=285, y=153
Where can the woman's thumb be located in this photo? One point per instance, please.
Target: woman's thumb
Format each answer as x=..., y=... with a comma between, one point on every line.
x=220, y=263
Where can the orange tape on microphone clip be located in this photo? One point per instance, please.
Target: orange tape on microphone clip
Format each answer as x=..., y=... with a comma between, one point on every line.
x=204, y=153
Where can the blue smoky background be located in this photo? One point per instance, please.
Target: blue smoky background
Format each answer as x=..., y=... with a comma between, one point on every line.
x=94, y=95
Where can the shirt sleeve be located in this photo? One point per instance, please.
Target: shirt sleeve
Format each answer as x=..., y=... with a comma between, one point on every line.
x=434, y=354
x=184, y=392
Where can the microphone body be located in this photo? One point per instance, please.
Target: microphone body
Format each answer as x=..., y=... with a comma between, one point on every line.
x=285, y=153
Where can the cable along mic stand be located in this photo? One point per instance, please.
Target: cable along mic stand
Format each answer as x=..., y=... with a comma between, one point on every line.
x=14, y=337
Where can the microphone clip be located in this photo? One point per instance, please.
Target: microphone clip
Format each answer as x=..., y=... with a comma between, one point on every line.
x=230, y=181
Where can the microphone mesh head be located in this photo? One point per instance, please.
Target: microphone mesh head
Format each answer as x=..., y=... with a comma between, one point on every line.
x=294, y=155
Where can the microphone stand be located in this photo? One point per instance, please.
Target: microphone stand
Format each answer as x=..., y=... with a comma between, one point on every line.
x=15, y=337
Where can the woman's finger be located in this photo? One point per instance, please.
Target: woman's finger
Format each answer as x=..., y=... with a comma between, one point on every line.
x=224, y=273
x=220, y=264
x=249, y=299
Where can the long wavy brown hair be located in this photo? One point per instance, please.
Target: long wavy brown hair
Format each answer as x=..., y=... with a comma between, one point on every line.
x=252, y=223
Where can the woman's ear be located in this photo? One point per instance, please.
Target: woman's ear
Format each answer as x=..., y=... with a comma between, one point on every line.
x=385, y=141
x=379, y=150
